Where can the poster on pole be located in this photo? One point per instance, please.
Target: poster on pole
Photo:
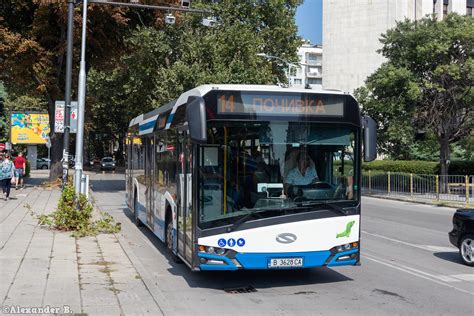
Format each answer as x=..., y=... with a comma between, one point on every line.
x=29, y=128
x=59, y=117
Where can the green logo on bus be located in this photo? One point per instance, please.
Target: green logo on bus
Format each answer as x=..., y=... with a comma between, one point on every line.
x=347, y=232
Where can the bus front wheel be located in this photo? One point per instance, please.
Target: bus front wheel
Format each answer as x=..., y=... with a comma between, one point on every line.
x=169, y=240
x=137, y=221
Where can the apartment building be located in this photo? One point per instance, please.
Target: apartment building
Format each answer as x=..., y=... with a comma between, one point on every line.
x=351, y=32
x=310, y=70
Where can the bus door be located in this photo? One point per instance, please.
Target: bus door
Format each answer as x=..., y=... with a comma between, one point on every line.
x=185, y=224
x=149, y=181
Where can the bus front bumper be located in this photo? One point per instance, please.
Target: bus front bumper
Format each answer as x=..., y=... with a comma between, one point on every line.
x=259, y=261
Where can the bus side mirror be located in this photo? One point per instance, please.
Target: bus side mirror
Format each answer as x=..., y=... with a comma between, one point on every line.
x=196, y=118
x=370, y=138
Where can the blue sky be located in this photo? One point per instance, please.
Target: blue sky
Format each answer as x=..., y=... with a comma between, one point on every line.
x=309, y=19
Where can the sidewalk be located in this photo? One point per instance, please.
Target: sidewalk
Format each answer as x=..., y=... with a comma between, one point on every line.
x=40, y=267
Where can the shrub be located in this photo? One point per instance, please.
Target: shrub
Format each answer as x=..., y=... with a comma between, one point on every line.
x=406, y=166
x=461, y=167
x=74, y=213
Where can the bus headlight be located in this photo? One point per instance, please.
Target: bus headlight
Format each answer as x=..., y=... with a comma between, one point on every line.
x=212, y=250
x=346, y=247
x=219, y=251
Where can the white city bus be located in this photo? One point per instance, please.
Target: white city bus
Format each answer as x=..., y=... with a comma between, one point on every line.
x=251, y=177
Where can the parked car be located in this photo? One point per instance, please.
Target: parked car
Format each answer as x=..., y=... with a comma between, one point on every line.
x=94, y=161
x=107, y=163
x=462, y=235
x=43, y=163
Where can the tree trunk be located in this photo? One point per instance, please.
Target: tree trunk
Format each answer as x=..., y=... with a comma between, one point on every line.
x=444, y=156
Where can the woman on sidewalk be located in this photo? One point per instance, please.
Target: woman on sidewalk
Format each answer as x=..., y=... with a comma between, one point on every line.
x=6, y=175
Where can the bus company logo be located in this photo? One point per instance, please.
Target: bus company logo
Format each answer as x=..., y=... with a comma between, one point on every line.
x=286, y=238
x=347, y=232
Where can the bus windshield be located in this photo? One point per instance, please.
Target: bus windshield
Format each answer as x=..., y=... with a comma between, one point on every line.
x=281, y=167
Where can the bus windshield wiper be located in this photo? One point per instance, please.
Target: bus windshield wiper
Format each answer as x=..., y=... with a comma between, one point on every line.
x=248, y=216
x=332, y=206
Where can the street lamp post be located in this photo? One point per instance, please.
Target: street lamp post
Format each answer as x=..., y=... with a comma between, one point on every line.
x=282, y=60
x=81, y=103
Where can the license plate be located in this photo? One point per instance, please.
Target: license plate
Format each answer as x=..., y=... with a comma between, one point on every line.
x=285, y=262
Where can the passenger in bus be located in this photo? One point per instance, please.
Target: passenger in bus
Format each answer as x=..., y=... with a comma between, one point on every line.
x=261, y=174
x=304, y=173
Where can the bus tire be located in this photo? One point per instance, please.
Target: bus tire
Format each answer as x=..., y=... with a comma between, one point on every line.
x=169, y=238
x=136, y=220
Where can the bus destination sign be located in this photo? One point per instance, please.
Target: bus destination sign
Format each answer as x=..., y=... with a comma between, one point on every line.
x=280, y=104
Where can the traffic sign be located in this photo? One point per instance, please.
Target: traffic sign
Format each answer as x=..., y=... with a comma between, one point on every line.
x=59, y=117
x=2, y=146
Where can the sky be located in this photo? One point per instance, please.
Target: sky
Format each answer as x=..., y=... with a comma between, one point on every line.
x=309, y=19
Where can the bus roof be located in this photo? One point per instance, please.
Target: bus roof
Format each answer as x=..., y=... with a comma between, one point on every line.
x=146, y=121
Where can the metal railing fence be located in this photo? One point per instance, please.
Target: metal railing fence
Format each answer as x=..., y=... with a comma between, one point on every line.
x=457, y=189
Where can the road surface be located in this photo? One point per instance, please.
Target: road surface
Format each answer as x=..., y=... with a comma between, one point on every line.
x=408, y=268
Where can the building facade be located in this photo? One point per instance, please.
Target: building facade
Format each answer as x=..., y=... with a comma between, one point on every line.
x=310, y=69
x=351, y=32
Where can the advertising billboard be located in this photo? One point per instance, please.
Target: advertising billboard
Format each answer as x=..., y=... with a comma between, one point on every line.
x=29, y=128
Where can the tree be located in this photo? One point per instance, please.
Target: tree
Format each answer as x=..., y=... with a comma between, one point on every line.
x=33, y=46
x=4, y=116
x=426, y=83
x=160, y=64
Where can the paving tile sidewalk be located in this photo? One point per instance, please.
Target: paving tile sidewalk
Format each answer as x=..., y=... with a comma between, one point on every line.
x=41, y=267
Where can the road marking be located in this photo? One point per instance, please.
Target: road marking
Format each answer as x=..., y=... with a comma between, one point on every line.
x=464, y=277
x=424, y=247
x=441, y=248
x=421, y=274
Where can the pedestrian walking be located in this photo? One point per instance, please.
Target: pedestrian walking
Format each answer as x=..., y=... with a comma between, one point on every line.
x=6, y=174
x=20, y=168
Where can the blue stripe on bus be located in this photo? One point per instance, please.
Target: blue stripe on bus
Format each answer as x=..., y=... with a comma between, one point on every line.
x=147, y=125
x=170, y=118
x=228, y=266
x=351, y=262
x=260, y=260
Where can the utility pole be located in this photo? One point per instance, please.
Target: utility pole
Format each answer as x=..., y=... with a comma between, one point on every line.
x=67, y=97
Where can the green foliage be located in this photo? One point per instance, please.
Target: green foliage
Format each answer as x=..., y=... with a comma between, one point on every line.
x=464, y=167
x=33, y=48
x=425, y=85
x=418, y=167
x=74, y=213
x=161, y=63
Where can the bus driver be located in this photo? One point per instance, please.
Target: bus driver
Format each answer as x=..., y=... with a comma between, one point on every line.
x=304, y=173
